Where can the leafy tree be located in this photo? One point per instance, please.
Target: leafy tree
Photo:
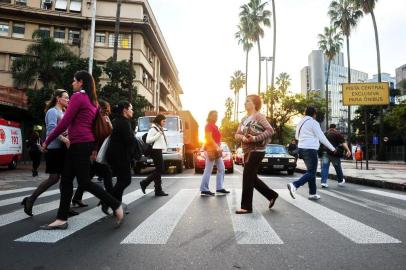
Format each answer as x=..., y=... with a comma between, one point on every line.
x=36, y=104
x=236, y=84
x=228, y=127
x=229, y=108
x=396, y=119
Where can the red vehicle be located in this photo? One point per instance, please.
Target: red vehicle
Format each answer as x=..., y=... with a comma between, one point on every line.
x=200, y=160
x=10, y=143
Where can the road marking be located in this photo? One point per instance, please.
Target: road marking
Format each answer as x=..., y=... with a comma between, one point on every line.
x=20, y=198
x=375, y=206
x=250, y=229
x=158, y=227
x=386, y=194
x=186, y=177
x=238, y=170
x=76, y=223
x=37, y=210
x=5, y=192
x=348, y=227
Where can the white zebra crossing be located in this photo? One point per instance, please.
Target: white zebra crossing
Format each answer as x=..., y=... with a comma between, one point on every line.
x=386, y=194
x=20, y=198
x=76, y=223
x=11, y=191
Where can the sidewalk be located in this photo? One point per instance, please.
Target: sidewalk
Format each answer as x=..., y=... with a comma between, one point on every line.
x=390, y=175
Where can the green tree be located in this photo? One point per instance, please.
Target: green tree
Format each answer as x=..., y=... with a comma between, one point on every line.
x=229, y=108
x=255, y=16
x=283, y=82
x=43, y=60
x=345, y=16
x=330, y=43
x=242, y=37
x=396, y=119
x=236, y=84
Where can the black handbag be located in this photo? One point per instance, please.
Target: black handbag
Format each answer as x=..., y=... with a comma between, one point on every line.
x=340, y=151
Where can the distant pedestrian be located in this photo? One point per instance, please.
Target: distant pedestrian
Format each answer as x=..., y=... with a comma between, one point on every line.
x=157, y=138
x=213, y=154
x=293, y=149
x=337, y=140
x=254, y=132
x=34, y=151
x=79, y=120
x=309, y=134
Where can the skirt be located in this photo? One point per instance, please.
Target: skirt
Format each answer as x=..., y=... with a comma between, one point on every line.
x=55, y=160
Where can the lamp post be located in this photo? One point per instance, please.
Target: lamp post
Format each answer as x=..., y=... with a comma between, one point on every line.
x=92, y=34
x=130, y=90
x=268, y=59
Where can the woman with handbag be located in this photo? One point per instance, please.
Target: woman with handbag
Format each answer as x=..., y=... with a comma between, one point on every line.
x=213, y=156
x=79, y=119
x=254, y=132
x=156, y=137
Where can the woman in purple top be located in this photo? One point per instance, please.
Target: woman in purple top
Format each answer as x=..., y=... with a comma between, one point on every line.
x=79, y=119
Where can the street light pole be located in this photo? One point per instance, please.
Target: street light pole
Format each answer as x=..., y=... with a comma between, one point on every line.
x=92, y=34
x=267, y=59
x=130, y=90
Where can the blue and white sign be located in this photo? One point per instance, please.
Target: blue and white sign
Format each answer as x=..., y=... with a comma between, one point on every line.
x=375, y=140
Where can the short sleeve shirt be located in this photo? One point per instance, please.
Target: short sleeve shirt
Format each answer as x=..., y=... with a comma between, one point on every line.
x=215, y=132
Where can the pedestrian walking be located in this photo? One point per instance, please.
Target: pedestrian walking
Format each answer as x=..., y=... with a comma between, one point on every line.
x=34, y=151
x=157, y=138
x=338, y=141
x=293, y=149
x=254, y=133
x=55, y=156
x=309, y=135
x=213, y=154
x=79, y=119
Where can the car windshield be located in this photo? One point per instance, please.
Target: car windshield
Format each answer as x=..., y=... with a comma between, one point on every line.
x=144, y=123
x=275, y=149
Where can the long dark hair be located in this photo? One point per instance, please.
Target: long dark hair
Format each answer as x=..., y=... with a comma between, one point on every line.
x=119, y=108
x=88, y=86
x=158, y=119
x=52, y=102
x=104, y=107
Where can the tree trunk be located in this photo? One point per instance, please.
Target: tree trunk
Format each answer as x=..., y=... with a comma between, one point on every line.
x=238, y=102
x=246, y=73
x=259, y=66
x=235, y=105
x=116, y=30
x=274, y=43
x=328, y=75
x=349, y=81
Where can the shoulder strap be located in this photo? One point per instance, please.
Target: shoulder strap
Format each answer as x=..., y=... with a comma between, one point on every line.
x=301, y=127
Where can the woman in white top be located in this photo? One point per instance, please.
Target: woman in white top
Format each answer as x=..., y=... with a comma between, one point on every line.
x=156, y=137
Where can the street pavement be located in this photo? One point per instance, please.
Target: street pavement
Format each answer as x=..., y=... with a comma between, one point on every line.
x=350, y=227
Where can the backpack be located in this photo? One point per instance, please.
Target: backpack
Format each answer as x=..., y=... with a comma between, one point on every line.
x=147, y=147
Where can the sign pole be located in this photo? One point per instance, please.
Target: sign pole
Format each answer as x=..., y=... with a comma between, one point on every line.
x=366, y=137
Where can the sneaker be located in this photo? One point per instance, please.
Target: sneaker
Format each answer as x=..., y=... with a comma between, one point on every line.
x=324, y=185
x=222, y=192
x=207, y=193
x=314, y=197
x=342, y=183
x=292, y=190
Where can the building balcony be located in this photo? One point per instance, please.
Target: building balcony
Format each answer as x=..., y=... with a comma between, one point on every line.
x=13, y=97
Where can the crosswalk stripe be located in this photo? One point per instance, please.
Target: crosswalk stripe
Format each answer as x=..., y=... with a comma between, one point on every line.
x=348, y=227
x=76, y=223
x=386, y=194
x=20, y=198
x=37, y=210
x=252, y=228
x=11, y=191
x=158, y=227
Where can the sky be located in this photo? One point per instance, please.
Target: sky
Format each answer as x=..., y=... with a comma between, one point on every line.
x=200, y=37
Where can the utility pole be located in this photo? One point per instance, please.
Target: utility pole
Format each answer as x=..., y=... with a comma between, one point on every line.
x=274, y=44
x=267, y=59
x=92, y=34
x=130, y=90
x=116, y=30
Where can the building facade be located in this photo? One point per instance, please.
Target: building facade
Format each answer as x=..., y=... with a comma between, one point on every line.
x=313, y=78
x=400, y=78
x=68, y=22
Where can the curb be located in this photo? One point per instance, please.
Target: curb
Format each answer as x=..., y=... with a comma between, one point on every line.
x=364, y=181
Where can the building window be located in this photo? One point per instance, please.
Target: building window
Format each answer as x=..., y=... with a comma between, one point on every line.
x=46, y=4
x=100, y=39
x=75, y=6
x=18, y=30
x=59, y=34
x=74, y=37
x=21, y=2
x=145, y=79
x=44, y=31
x=123, y=40
x=61, y=4
x=13, y=58
x=4, y=29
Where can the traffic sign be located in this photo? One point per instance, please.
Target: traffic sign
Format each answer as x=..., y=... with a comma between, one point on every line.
x=365, y=93
x=375, y=140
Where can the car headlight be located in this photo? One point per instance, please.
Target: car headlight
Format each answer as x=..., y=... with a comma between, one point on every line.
x=291, y=160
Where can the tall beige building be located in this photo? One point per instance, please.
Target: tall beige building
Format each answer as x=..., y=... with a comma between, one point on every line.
x=68, y=21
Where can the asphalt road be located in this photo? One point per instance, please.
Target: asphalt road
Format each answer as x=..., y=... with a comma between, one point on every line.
x=351, y=227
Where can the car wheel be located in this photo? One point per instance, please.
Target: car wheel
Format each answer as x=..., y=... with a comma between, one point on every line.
x=13, y=164
x=198, y=170
x=179, y=167
x=137, y=169
x=291, y=172
x=231, y=170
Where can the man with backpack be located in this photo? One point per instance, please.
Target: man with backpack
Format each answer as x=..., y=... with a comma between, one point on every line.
x=338, y=141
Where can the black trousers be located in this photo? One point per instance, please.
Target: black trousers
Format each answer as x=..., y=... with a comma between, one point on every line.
x=155, y=176
x=250, y=181
x=101, y=170
x=35, y=156
x=77, y=164
x=123, y=174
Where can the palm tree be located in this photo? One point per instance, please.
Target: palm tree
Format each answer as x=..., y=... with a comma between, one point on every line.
x=242, y=36
x=40, y=62
x=255, y=16
x=283, y=82
x=345, y=16
x=330, y=43
x=236, y=84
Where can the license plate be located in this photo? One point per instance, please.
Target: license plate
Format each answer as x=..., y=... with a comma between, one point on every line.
x=265, y=160
x=150, y=160
x=278, y=166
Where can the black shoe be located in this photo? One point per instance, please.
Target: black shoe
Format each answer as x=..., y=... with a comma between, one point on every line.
x=72, y=213
x=78, y=204
x=160, y=193
x=105, y=209
x=27, y=206
x=143, y=186
x=57, y=227
x=207, y=193
x=34, y=173
x=272, y=201
x=222, y=191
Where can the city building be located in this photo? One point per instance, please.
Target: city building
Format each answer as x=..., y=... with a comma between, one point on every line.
x=69, y=21
x=385, y=77
x=401, y=79
x=313, y=78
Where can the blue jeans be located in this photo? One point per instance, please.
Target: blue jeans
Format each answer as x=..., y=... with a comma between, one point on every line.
x=325, y=165
x=310, y=159
x=204, y=186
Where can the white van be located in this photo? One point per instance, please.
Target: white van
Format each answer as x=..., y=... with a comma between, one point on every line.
x=11, y=147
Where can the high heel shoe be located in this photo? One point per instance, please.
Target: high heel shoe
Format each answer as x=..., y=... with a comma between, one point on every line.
x=78, y=204
x=105, y=208
x=272, y=201
x=56, y=227
x=27, y=206
x=243, y=211
x=120, y=220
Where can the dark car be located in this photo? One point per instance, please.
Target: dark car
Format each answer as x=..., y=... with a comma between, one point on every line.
x=200, y=160
x=277, y=158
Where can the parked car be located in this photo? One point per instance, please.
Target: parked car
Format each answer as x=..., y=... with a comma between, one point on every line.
x=277, y=158
x=239, y=156
x=200, y=160
x=10, y=143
